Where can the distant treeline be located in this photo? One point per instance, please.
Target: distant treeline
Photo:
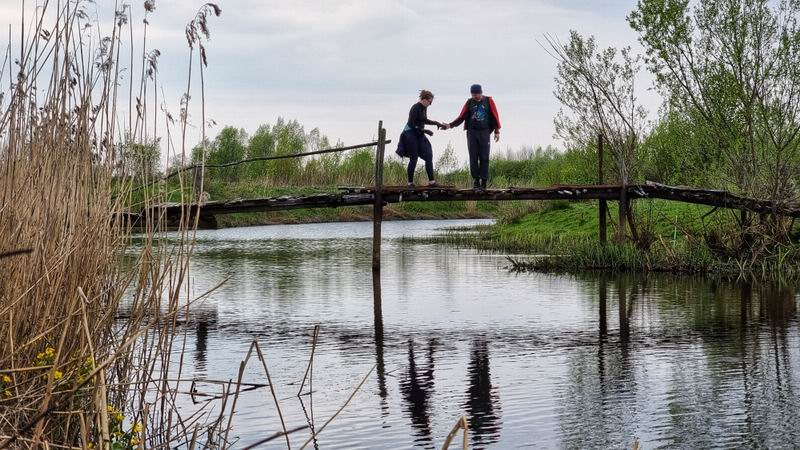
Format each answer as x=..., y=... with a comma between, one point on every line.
x=660, y=159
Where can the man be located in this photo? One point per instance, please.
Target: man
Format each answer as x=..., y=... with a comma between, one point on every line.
x=480, y=118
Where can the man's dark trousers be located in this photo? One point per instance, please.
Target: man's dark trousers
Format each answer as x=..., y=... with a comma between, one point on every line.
x=478, y=146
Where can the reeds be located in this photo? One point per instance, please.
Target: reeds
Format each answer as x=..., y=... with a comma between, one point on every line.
x=73, y=372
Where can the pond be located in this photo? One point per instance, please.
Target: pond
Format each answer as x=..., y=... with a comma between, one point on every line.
x=530, y=360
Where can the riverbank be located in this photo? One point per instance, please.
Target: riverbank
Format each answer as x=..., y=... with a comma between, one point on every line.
x=673, y=237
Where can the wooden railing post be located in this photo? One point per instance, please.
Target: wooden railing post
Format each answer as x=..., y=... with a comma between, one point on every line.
x=377, y=216
x=603, y=204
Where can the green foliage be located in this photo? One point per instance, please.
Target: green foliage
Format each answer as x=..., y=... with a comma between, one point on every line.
x=227, y=147
x=140, y=159
x=262, y=143
x=289, y=138
x=597, y=87
x=730, y=72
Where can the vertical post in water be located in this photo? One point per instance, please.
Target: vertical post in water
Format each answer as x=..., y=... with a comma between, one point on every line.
x=377, y=212
x=603, y=203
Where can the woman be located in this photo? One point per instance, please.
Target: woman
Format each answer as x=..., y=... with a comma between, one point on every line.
x=413, y=143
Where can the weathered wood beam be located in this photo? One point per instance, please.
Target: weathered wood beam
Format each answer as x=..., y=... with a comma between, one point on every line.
x=366, y=196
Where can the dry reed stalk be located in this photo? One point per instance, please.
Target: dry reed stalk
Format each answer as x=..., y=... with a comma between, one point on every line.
x=461, y=424
x=62, y=156
x=336, y=414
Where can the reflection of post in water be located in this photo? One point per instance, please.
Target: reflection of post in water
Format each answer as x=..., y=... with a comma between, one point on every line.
x=201, y=344
x=603, y=294
x=380, y=365
x=624, y=324
x=483, y=405
x=417, y=388
x=603, y=288
x=779, y=302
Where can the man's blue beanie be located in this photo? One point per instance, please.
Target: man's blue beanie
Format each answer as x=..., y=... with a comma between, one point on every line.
x=475, y=89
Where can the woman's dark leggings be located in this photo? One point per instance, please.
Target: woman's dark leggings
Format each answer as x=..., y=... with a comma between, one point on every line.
x=412, y=166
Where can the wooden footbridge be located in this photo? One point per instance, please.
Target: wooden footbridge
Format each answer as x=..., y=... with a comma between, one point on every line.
x=379, y=196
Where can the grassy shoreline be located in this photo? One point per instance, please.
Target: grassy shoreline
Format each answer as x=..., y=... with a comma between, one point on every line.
x=563, y=237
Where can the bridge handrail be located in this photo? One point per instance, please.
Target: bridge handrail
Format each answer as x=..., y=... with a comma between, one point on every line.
x=261, y=158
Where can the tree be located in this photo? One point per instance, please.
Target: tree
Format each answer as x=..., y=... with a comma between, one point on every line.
x=732, y=68
x=289, y=138
x=140, y=159
x=227, y=147
x=447, y=162
x=261, y=144
x=597, y=87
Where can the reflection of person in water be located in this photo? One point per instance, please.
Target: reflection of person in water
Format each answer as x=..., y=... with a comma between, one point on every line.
x=483, y=404
x=417, y=387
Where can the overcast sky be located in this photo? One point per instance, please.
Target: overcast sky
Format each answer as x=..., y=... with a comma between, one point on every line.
x=341, y=65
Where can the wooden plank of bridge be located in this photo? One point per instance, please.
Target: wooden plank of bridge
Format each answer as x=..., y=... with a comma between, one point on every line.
x=603, y=203
x=377, y=211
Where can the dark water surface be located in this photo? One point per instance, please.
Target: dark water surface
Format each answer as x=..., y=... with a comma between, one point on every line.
x=531, y=361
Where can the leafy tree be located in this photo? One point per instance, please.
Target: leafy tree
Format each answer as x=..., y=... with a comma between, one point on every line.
x=289, y=138
x=447, y=161
x=261, y=144
x=597, y=88
x=140, y=159
x=731, y=68
x=227, y=147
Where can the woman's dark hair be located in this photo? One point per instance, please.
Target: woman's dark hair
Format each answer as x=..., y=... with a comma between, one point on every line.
x=425, y=95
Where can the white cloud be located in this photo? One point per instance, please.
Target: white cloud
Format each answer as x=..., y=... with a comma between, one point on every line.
x=343, y=65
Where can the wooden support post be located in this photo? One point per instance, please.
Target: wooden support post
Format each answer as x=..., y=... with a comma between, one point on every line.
x=624, y=204
x=603, y=203
x=197, y=181
x=377, y=216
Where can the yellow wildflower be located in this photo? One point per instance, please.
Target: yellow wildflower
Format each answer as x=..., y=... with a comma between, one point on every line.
x=50, y=351
x=58, y=374
x=110, y=408
x=119, y=417
x=135, y=441
x=7, y=393
x=90, y=445
x=6, y=379
x=137, y=428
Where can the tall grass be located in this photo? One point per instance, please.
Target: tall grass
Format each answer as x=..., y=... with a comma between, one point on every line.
x=74, y=373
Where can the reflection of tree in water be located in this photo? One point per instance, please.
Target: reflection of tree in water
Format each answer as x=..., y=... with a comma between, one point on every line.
x=483, y=404
x=417, y=388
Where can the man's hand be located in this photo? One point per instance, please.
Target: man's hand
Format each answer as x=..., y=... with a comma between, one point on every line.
x=496, y=136
x=429, y=132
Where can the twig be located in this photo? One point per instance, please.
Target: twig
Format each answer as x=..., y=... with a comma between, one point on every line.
x=314, y=435
x=275, y=436
x=23, y=251
x=461, y=424
x=310, y=360
x=272, y=390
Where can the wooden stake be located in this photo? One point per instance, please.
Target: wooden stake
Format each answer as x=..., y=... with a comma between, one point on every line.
x=624, y=204
x=603, y=204
x=377, y=216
